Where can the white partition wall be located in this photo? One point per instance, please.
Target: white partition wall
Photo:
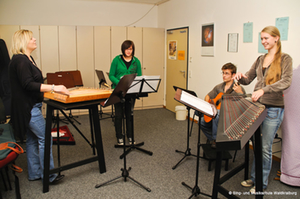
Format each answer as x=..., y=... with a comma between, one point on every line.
x=6, y=33
x=135, y=34
x=49, y=49
x=153, y=62
x=118, y=35
x=85, y=54
x=67, y=48
x=102, y=51
x=86, y=48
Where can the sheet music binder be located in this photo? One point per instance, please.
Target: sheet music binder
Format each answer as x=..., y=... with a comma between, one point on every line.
x=189, y=91
x=195, y=103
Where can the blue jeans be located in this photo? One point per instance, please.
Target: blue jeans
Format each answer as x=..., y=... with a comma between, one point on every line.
x=210, y=129
x=35, y=143
x=268, y=130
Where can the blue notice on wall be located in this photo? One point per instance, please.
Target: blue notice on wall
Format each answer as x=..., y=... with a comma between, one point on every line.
x=261, y=48
x=248, y=32
x=283, y=26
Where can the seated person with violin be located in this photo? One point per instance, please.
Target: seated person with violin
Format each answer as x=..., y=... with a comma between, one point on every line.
x=209, y=125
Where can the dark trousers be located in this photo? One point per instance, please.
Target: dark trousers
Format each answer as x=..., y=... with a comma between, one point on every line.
x=129, y=105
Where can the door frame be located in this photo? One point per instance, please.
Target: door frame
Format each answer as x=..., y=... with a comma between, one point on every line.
x=187, y=53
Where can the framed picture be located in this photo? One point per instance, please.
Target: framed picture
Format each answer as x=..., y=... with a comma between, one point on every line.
x=207, y=40
x=172, y=50
x=233, y=39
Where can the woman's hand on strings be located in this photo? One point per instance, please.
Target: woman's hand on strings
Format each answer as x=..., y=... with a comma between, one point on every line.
x=257, y=94
x=61, y=89
x=238, y=76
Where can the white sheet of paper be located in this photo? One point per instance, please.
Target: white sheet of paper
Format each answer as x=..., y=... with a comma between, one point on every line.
x=151, y=80
x=196, y=102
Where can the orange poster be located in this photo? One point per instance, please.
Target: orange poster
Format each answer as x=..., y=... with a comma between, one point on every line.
x=181, y=54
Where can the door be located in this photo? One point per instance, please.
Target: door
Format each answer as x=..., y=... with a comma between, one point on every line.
x=177, y=67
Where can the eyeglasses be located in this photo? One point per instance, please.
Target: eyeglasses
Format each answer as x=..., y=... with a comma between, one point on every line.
x=225, y=73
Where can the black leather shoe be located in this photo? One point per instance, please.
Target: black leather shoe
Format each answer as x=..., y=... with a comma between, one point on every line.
x=57, y=179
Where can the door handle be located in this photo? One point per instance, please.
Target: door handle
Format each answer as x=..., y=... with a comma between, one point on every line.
x=183, y=71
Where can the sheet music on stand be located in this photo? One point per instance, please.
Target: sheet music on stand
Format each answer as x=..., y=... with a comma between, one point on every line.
x=120, y=90
x=195, y=103
x=144, y=84
x=206, y=108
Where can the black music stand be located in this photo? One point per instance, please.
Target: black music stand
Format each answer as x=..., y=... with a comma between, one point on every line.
x=141, y=86
x=102, y=81
x=118, y=95
x=101, y=77
x=189, y=131
x=190, y=100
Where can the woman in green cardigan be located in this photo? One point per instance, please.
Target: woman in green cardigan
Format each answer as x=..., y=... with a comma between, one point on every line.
x=124, y=64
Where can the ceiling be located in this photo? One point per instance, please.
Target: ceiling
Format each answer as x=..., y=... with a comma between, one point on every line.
x=153, y=2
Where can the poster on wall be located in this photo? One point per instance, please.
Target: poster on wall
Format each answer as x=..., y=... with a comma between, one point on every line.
x=261, y=48
x=172, y=49
x=283, y=26
x=248, y=32
x=207, y=41
x=181, y=54
x=233, y=39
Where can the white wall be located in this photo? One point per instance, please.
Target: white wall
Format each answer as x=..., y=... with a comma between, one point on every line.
x=228, y=17
x=76, y=12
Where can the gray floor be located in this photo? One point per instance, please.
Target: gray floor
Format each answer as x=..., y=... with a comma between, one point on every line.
x=162, y=135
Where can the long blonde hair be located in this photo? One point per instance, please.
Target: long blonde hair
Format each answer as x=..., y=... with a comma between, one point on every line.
x=20, y=41
x=274, y=72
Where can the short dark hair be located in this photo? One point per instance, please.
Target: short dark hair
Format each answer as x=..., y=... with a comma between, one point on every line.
x=229, y=66
x=125, y=45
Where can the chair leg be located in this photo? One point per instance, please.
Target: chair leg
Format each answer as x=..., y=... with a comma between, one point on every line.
x=209, y=165
x=226, y=165
x=7, y=176
x=17, y=186
x=3, y=180
x=234, y=156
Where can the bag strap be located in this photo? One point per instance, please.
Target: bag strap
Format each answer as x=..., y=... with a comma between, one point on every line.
x=16, y=168
x=18, y=151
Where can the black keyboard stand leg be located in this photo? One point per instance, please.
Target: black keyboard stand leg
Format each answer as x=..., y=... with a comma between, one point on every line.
x=187, y=152
x=125, y=171
x=196, y=190
x=73, y=117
